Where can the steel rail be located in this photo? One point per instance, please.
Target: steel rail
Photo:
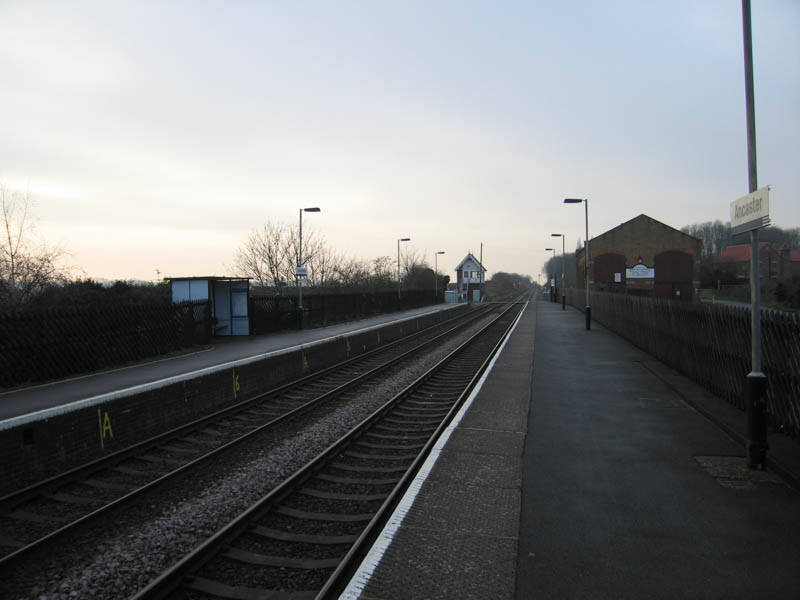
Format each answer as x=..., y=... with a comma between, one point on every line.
x=80, y=473
x=172, y=578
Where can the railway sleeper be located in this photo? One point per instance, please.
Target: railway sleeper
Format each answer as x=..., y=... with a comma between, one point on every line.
x=355, y=481
x=362, y=469
x=312, y=516
x=403, y=457
x=282, y=562
x=73, y=499
x=341, y=496
x=217, y=589
x=302, y=538
x=389, y=446
x=397, y=436
x=411, y=421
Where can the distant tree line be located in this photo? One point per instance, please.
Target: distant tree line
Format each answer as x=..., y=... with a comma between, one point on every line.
x=271, y=254
x=716, y=236
x=505, y=286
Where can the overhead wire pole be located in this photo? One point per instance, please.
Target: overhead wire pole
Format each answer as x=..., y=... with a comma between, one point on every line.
x=755, y=400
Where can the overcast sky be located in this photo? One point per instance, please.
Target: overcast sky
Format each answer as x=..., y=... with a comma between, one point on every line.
x=157, y=135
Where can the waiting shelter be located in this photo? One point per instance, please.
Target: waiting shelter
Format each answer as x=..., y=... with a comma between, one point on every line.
x=229, y=298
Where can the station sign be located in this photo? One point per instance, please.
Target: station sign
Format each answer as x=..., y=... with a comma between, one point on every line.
x=301, y=272
x=640, y=271
x=750, y=212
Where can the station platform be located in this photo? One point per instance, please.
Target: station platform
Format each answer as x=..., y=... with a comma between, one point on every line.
x=583, y=468
x=223, y=353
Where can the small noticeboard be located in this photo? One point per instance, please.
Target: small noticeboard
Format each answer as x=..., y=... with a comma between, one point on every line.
x=301, y=272
x=750, y=212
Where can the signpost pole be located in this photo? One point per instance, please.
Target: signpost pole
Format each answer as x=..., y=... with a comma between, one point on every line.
x=755, y=400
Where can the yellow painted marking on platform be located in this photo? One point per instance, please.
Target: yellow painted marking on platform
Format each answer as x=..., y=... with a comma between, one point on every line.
x=348, y=348
x=236, y=386
x=305, y=362
x=104, y=420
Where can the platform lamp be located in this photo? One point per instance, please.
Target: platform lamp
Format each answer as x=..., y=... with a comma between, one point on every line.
x=299, y=273
x=436, y=275
x=552, y=297
x=398, y=263
x=563, y=272
x=586, y=257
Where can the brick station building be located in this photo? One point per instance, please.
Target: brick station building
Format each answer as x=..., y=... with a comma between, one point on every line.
x=643, y=257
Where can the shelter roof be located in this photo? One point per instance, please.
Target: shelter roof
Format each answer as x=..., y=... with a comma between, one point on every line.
x=208, y=277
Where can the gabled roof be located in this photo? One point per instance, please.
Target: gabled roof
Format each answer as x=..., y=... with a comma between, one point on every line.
x=741, y=253
x=737, y=253
x=471, y=257
x=644, y=217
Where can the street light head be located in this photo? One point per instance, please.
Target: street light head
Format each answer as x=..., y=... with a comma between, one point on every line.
x=404, y=239
x=440, y=252
x=312, y=209
x=573, y=200
x=546, y=249
x=556, y=234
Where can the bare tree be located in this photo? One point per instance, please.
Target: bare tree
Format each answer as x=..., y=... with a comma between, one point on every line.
x=264, y=255
x=382, y=271
x=351, y=272
x=322, y=262
x=410, y=258
x=271, y=254
x=27, y=264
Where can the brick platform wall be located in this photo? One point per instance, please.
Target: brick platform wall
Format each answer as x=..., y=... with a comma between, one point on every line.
x=73, y=435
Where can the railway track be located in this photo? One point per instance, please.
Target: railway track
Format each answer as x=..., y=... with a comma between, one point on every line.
x=303, y=539
x=39, y=514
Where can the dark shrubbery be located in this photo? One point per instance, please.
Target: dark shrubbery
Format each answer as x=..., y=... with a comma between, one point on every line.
x=88, y=293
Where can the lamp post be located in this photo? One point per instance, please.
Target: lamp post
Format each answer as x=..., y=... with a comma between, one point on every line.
x=299, y=272
x=586, y=257
x=398, y=263
x=552, y=295
x=436, y=275
x=563, y=272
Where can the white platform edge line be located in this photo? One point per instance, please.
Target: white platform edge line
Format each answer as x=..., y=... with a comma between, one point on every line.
x=45, y=413
x=373, y=558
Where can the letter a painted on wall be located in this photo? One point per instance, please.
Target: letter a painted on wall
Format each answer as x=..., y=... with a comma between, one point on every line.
x=104, y=420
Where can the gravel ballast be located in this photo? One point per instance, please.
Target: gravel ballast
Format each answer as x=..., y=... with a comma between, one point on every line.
x=123, y=555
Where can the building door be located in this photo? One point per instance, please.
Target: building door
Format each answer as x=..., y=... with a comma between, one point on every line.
x=222, y=307
x=674, y=272
x=609, y=272
x=240, y=322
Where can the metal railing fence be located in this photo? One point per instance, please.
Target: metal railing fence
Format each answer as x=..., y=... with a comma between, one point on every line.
x=40, y=345
x=711, y=345
x=277, y=313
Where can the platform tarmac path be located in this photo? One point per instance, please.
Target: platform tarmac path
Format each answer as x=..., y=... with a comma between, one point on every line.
x=630, y=492
x=24, y=401
x=597, y=473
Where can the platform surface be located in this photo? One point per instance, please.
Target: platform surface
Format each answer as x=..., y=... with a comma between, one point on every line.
x=28, y=400
x=597, y=473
